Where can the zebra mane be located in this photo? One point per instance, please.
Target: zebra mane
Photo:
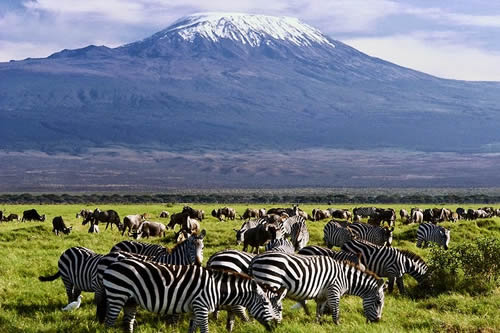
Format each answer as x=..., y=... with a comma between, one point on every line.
x=174, y=248
x=230, y=273
x=412, y=255
x=368, y=272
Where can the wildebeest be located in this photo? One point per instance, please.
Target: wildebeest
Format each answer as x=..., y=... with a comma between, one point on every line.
x=59, y=226
x=462, y=213
x=250, y=213
x=164, y=214
x=11, y=217
x=84, y=213
x=177, y=218
x=258, y=236
x=225, y=212
x=109, y=216
x=320, y=214
x=417, y=216
x=32, y=215
x=240, y=234
x=132, y=222
x=194, y=213
x=93, y=229
x=403, y=213
x=148, y=228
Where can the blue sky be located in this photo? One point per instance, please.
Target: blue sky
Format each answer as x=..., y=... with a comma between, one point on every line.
x=454, y=39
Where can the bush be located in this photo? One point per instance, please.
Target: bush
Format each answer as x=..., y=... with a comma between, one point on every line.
x=473, y=267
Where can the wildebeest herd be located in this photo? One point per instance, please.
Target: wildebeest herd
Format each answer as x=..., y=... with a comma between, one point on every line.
x=173, y=281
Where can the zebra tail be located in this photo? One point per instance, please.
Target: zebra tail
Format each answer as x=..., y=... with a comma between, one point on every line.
x=50, y=277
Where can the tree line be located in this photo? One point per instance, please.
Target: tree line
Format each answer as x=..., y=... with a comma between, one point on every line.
x=266, y=198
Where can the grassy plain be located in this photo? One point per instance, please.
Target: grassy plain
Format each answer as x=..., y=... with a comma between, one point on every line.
x=29, y=249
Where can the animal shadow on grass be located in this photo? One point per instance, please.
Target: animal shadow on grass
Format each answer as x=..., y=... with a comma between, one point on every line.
x=33, y=308
x=408, y=235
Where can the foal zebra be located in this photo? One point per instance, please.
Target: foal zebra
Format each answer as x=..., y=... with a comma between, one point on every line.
x=320, y=278
x=78, y=271
x=336, y=235
x=388, y=262
x=373, y=234
x=171, y=289
x=428, y=232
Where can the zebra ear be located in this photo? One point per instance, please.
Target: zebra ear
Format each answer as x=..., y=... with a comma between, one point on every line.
x=203, y=234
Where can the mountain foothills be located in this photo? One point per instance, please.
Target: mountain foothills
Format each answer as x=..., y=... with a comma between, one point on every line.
x=237, y=82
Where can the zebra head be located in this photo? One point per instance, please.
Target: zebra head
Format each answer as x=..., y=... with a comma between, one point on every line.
x=445, y=238
x=415, y=266
x=373, y=303
x=196, y=247
x=263, y=309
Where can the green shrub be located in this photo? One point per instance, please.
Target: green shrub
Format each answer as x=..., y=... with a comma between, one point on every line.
x=469, y=267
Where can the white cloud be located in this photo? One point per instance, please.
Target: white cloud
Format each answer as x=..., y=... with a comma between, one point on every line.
x=438, y=14
x=433, y=56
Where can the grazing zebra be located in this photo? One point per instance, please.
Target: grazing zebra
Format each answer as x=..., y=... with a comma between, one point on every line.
x=77, y=269
x=336, y=235
x=373, y=234
x=388, y=262
x=320, y=278
x=313, y=250
x=238, y=262
x=280, y=245
x=428, y=232
x=188, y=252
x=173, y=289
x=147, y=249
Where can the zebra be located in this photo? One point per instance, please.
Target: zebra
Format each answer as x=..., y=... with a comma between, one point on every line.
x=280, y=245
x=313, y=250
x=77, y=267
x=373, y=234
x=175, y=289
x=238, y=262
x=388, y=262
x=188, y=252
x=336, y=235
x=299, y=234
x=428, y=232
x=147, y=249
x=321, y=278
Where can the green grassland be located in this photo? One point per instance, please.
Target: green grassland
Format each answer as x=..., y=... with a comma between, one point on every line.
x=29, y=249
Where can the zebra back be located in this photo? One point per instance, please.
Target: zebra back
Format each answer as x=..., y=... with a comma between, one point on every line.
x=141, y=248
x=231, y=260
x=280, y=245
x=313, y=250
x=334, y=234
x=428, y=232
x=188, y=252
x=374, y=234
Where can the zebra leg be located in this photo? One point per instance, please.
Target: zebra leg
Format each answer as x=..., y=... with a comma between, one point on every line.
x=230, y=320
x=129, y=312
x=400, y=284
x=419, y=242
x=200, y=320
x=390, y=287
x=241, y=312
x=333, y=302
x=114, y=306
x=215, y=315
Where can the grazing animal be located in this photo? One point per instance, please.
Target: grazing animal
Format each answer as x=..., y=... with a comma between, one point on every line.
x=462, y=213
x=32, y=215
x=343, y=214
x=335, y=234
x=194, y=213
x=403, y=213
x=59, y=226
x=240, y=234
x=147, y=228
x=388, y=262
x=417, y=216
x=320, y=214
x=280, y=245
x=84, y=213
x=164, y=214
x=428, y=232
x=93, y=229
x=11, y=217
x=179, y=289
x=78, y=271
x=177, y=218
x=252, y=213
x=332, y=279
x=258, y=236
x=225, y=212
x=109, y=216
x=132, y=222
x=146, y=249
x=373, y=234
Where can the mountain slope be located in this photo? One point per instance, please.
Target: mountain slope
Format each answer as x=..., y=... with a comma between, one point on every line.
x=238, y=82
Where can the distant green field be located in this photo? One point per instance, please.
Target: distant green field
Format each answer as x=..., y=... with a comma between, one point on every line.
x=29, y=249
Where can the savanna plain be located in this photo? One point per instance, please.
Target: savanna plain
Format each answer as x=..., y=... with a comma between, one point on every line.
x=30, y=249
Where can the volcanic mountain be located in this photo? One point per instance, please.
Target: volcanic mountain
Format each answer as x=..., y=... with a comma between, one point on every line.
x=238, y=82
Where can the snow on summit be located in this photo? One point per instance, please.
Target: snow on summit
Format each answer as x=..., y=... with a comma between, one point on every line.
x=247, y=28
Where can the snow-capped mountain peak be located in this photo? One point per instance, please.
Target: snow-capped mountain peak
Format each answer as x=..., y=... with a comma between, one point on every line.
x=248, y=29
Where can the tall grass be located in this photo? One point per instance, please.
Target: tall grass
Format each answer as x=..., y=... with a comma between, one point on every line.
x=29, y=249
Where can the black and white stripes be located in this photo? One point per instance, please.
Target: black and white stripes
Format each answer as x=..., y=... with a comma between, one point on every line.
x=428, y=232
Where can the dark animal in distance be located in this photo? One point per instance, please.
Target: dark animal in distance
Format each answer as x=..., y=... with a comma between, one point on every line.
x=164, y=214
x=11, y=217
x=32, y=215
x=152, y=229
x=59, y=226
x=258, y=236
x=109, y=216
x=194, y=213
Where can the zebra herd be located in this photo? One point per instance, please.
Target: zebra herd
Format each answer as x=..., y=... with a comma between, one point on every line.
x=173, y=281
